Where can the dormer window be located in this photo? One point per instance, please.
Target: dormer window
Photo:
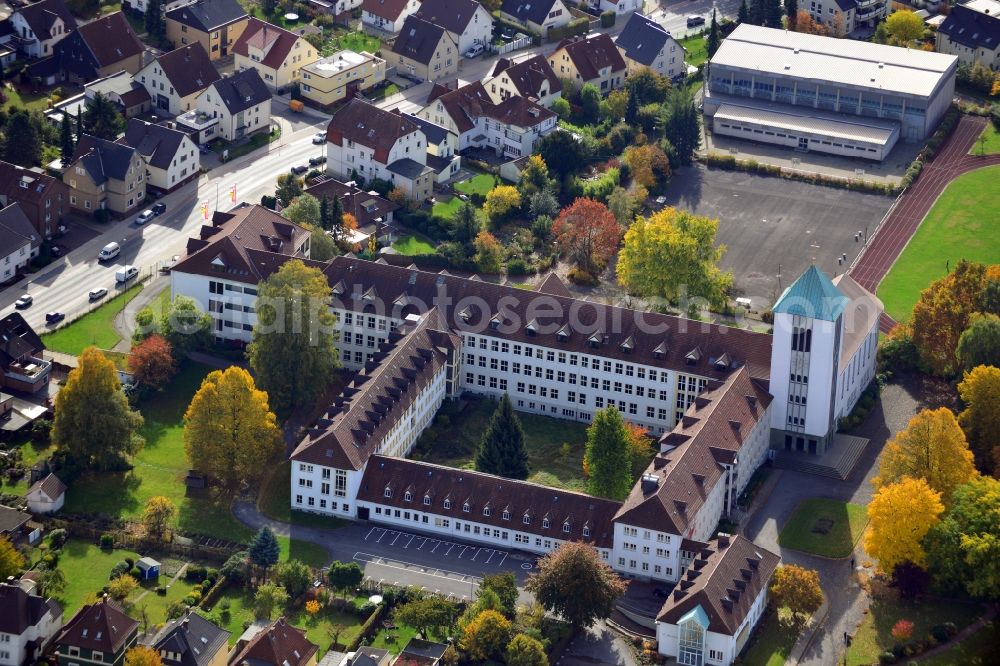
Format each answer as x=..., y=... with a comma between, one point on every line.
x=466, y=507
x=388, y=492
x=447, y=504
x=495, y=321
x=427, y=500
x=566, y=527
x=407, y=496
x=532, y=328
x=586, y=531
x=545, y=523
x=563, y=333
x=526, y=520
x=487, y=511
x=505, y=515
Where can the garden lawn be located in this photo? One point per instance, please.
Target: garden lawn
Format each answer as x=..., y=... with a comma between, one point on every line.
x=411, y=245
x=30, y=454
x=159, y=469
x=384, y=91
x=979, y=649
x=94, y=328
x=318, y=628
x=155, y=604
x=824, y=527
x=19, y=100
x=87, y=569
x=771, y=642
x=697, y=50
x=481, y=183
x=873, y=637
x=963, y=224
x=393, y=640
x=455, y=444
x=991, y=145
x=446, y=209
x=274, y=502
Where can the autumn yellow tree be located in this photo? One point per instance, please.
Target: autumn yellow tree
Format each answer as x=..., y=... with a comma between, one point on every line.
x=486, y=636
x=805, y=23
x=647, y=164
x=11, y=561
x=900, y=514
x=230, y=433
x=143, y=656
x=932, y=447
x=157, y=515
x=501, y=202
x=121, y=587
x=797, y=589
x=980, y=393
x=904, y=27
x=489, y=252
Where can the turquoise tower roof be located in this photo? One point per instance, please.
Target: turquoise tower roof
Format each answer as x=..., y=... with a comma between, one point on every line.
x=812, y=295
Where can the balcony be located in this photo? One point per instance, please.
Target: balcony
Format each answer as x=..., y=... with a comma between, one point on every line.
x=28, y=372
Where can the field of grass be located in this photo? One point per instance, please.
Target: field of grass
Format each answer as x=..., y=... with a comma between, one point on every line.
x=873, y=636
x=455, y=445
x=159, y=469
x=94, y=328
x=384, y=91
x=979, y=649
x=771, y=642
x=824, y=527
x=481, y=183
x=446, y=209
x=411, y=245
x=991, y=143
x=697, y=50
x=30, y=454
x=963, y=224
x=394, y=640
x=25, y=100
x=353, y=41
x=87, y=569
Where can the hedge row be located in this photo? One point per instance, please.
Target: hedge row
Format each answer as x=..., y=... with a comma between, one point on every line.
x=948, y=123
x=368, y=629
x=730, y=163
x=213, y=593
x=578, y=26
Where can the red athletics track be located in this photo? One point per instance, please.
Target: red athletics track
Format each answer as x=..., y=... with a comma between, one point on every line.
x=910, y=209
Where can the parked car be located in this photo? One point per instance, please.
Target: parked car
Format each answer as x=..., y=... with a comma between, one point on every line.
x=507, y=34
x=109, y=252
x=126, y=273
x=159, y=208
x=475, y=51
x=57, y=251
x=24, y=302
x=695, y=21
x=319, y=137
x=300, y=169
x=661, y=200
x=100, y=292
x=145, y=216
x=54, y=317
x=316, y=161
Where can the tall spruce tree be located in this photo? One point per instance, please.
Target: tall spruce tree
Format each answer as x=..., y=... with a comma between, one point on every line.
x=502, y=449
x=21, y=144
x=324, y=213
x=792, y=12
x=337, y=218
x=65, y=140
x=714, y=38
x=79, y=125
x=607, y=457
x=154, y=19
x=682, y=128
x=264, y=549
x=757, y=11
x=632, y=106
x=743, y=15
x=773, y=12
x=102, y=119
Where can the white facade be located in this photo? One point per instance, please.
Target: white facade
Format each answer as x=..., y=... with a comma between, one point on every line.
x=162, y=92
x=140, y=5
x=39, y=502
x=717, y=648
x=351, y=156
x=184, y=163
x=17, y=259
x=392, y=26
x=231, y=304
x=508, y=139
x=38, y=46
x=234, y=126
x=478, y=31
x=13, y=647
x=620, y=7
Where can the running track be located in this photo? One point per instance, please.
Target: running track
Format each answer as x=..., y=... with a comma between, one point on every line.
x=913, y=205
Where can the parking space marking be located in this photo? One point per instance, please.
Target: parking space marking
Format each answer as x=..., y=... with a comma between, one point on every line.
x=422, y=540
x=398, y=534
x=450, y=546
x=370, y=532
x=412, y=537
x=434, y=549
x=503, y=556
x=453, y=576
x=379, y=540
x=492, y=553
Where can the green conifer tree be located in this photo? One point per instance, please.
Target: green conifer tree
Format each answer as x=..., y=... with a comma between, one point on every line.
x=502, y=449
x=607, y=456
x=264, y=549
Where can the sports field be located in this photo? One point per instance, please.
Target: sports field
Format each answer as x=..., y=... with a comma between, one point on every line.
x=964, y=223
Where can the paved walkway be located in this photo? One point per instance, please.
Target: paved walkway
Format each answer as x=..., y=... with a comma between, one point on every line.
x=902, y=221
x=124, y=321
x=991, y=613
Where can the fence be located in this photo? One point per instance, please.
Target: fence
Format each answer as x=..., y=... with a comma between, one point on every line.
x=519, y=43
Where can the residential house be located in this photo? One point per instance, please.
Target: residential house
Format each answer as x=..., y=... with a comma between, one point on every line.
x=386, y=17
x=230, y=257
x=19, y=242
x=367, y=656
x=370, y=142
x=170, y=155
x=971, y=31
x=43, y=198
x=330, y=80
x=442, y=149
x=532, y=79
x=99, y=633
x=237, y=105
x=191, y=640
x=537, y=16
x=22, y=368
x=275, y=644
x=709, y=616
x=842, y=17
x=468, y=21
x=176, y=78
x=372, y=211
x=17, y=526
x=27, y=624
x=215, y=24
x=104, y=46
x=421, y=653
x=104, y=175
x=590, y=59
x=510, y=127
x=121, y=88
x=424, y=51
x=38, y=27
x=277, y=54
x=46, y=495
x=645, y=44
x=165, y=6
x=619, y=7
x=340, y=10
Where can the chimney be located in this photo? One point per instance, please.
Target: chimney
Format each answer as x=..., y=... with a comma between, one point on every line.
x=723, y=540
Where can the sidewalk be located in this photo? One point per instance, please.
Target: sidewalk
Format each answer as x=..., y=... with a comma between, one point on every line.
x=124, y=321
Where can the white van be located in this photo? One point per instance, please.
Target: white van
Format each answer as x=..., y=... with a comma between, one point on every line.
x=109, y=252
x=126, y=273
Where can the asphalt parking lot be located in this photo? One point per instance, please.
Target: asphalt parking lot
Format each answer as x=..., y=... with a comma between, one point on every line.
x=773, y=228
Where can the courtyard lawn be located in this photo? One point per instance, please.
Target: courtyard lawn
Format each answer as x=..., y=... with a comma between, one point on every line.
x=697, y=50
x=771, y=642
x=94, y=328
x=979, y=649
x=411, y=245
x=481, y=183
x=824, y=527
x=384, y=91
x=446, y=209
x=159, y=469
x=274, y=502
x=963, y=224
x=874, y=636
x=455, y=444
x=991, y=144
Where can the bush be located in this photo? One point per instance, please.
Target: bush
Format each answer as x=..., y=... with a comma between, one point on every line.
x=135, y=573
x=195, y=574
x=575, y=27
x=107, y=542
x=40, y=431
x=943, y=633
x=161, y=590
x=120, y=569
x=608, y=18
x=887, y=657
x=582, y=277
x=57, y=538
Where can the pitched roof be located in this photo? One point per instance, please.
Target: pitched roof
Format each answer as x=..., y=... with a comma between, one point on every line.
x=102, y=626
x=363, y=122
x=196, y=640
x=812, y=295
x=591, y=54
x=11, y=520
x=724, y=581
x=242, y=90
x=861, y=314
x=208, y=15
x=189, y=69
x=121, y=85
x=157, y=144
x=676, y=483
x=552, y=284
x=16, y=230
x=535, y=11
x=237, y=244
x=20, y=610
x=549, y=511
x=41, y=15
x=387, y=9
x=435, y=133
x=17, y=339
x=528, y=75
x=22, y=184
x=452, y=15
x=275, y=42
x=102, y=42
x=975, y=24
x=642, y=39
x=51, y=486
x=470, y=102
x=352, y=429
x=279, y=644
x=418, y=39
x=366, y=207
x=103, y=159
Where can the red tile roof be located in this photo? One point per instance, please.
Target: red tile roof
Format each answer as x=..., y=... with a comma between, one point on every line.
x=387, y=9
x=111, y=39
x=276, y=42
x=279, y=644
x=592, y=54
x=189, y=69
x=464, y=105
x=372, y=127
x=528, y=76
x=102, y=626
